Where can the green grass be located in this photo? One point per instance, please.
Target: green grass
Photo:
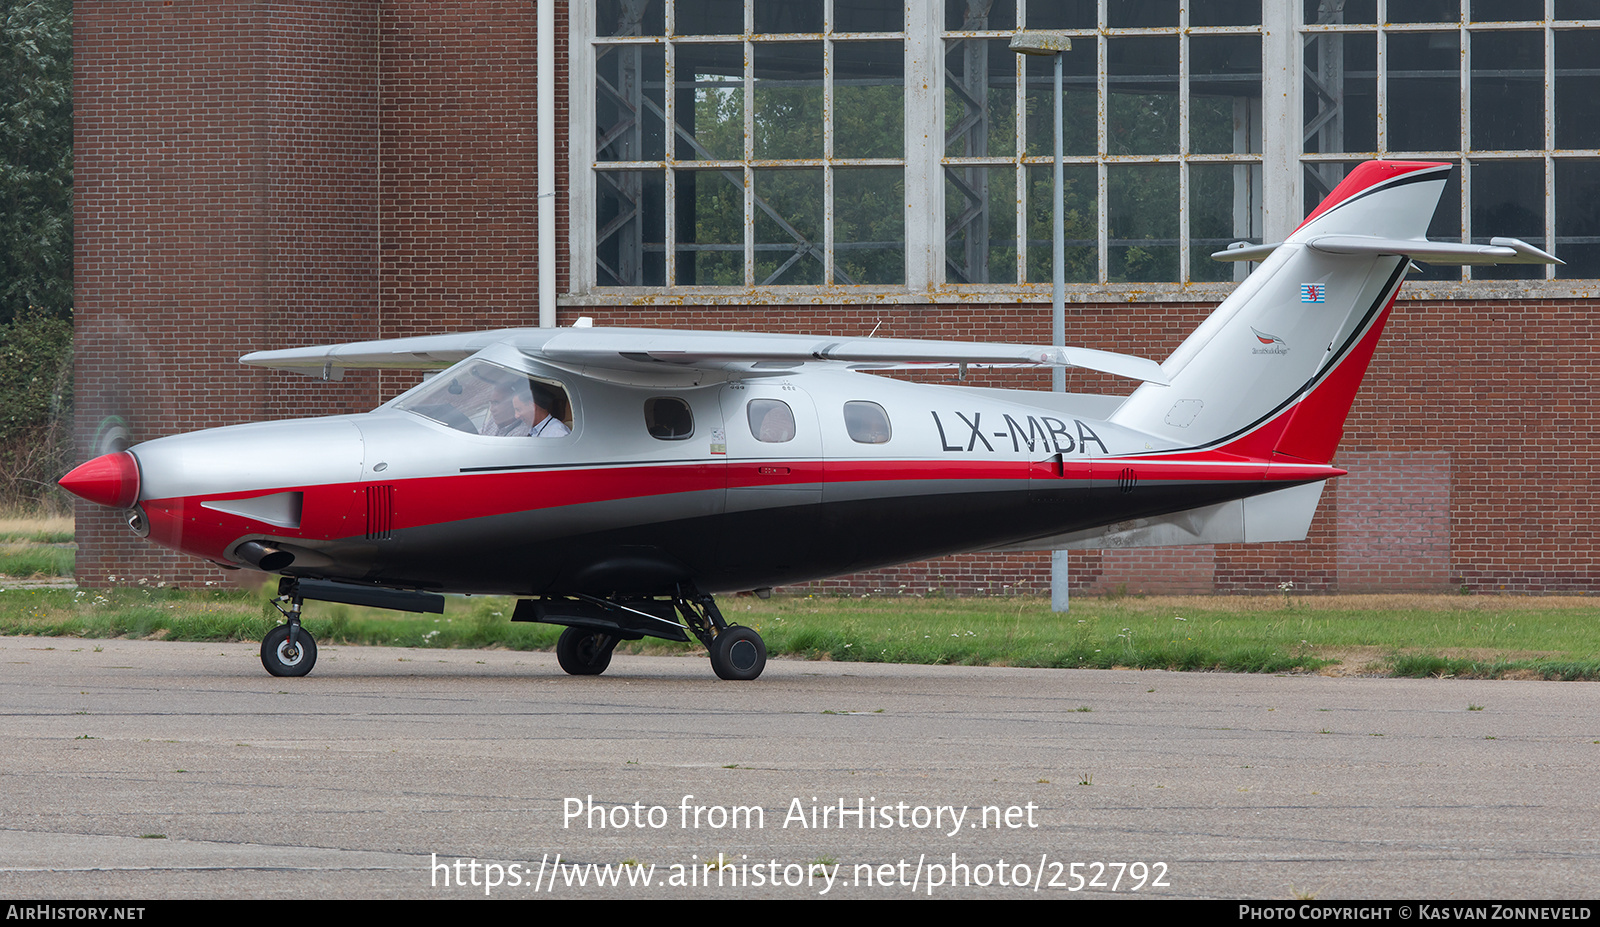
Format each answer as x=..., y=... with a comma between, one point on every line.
x=36, y=561
x=1476, y=636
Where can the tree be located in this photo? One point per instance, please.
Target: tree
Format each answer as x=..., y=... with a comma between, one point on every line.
x=35, y=158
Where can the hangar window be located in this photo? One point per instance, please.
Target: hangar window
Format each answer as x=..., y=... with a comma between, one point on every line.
x=740, y=144
x=1161, y=140
x=898, y=147
x=668, y=418
x=732, y=151
x=866, y=422
x=771, y=420
x=481, y=398
x=1497, y=89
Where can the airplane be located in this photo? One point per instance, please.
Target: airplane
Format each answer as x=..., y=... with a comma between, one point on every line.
x=615, y=480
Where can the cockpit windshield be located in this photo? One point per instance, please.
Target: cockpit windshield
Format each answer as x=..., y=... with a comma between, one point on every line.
x=481, y=398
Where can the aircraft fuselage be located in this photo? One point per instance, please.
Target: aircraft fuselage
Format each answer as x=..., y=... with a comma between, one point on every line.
x=871, y=472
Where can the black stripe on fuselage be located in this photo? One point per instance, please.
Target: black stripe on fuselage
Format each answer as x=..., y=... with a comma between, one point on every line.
x=515, y=554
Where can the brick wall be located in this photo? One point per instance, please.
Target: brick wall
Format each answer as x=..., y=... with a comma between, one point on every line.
x=262, y=174
x=225, y=167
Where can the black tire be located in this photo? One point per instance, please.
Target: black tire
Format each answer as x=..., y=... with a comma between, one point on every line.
x=280, y=660
x=738, y=653
x=585, y=652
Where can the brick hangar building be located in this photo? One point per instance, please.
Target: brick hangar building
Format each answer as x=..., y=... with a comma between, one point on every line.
x=258, y=174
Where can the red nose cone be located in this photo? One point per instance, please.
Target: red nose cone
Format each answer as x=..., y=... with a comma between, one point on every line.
x=110, y=480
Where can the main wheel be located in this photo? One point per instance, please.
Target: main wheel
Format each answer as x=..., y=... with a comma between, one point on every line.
x=584, y=652
x=282, y=660
x=738, y=653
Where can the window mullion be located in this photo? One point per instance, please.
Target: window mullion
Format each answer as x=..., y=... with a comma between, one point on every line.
x=669, y=144
x=923, y=147
x=1020, y=68
x=1464, y=141
x=1282, y=119
x=1102, y=191
x=828, y=234
x=1383, y=80
x=581, y=245
x=1183, y=143
x=1549, y=136
x=749, y=153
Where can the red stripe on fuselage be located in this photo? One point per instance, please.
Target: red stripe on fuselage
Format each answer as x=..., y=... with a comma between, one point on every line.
x=335, y=511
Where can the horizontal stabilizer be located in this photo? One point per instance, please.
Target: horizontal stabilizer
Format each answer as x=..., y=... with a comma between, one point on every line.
x=1497, y=251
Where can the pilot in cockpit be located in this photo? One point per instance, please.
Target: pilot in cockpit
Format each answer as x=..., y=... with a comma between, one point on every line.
x=502, y=418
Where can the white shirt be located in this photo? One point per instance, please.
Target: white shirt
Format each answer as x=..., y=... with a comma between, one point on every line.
x=550, y=427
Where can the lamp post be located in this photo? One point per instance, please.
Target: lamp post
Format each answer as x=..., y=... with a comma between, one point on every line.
x=1054, y=44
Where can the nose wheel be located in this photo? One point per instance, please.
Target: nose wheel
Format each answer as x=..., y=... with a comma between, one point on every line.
x=285, y=657
x=288, y=649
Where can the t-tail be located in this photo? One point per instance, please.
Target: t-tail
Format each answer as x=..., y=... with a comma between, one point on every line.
x=1269, y=378
x=1272, y=373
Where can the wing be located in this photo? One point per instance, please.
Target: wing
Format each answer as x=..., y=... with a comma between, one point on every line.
x=646, y=352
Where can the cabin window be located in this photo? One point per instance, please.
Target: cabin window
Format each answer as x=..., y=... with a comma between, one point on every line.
x=771, y=420
x=668, y=418
x=866, y=422
x=480, y=398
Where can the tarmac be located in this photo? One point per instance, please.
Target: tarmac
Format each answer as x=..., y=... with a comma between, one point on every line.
x=154, y=770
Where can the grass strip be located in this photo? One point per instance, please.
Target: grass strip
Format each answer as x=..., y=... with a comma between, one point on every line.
x=1465, y=636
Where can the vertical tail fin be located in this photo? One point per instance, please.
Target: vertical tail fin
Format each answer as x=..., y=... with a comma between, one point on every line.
x=1272, y=373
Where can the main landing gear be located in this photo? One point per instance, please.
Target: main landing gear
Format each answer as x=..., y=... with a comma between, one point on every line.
x=584, y=652
x=595, y=626
x=737, y=652
x=288, y=649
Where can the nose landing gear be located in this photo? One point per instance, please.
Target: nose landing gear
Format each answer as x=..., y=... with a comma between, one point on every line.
x=288, y=649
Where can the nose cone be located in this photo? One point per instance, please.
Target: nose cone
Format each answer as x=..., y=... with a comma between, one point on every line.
x=110, y=480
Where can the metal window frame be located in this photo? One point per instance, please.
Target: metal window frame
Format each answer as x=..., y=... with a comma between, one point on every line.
x=585, y=169
x=1281, y=159
x=1464, y=154
x=1099, y=39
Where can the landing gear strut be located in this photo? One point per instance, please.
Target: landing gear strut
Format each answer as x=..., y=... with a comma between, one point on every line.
x=288, y=649
x=595, y=625
x=737, y=652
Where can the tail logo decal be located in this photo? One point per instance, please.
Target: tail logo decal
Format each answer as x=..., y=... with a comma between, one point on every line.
x=1313, y=292
x=1273, y=344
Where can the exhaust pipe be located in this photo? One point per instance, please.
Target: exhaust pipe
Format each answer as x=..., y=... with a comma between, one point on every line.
x=263, y=556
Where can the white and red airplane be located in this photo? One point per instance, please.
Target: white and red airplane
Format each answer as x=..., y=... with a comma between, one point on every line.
x=615, y=479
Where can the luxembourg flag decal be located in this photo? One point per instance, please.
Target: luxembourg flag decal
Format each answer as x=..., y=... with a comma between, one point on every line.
x=1313, y=292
